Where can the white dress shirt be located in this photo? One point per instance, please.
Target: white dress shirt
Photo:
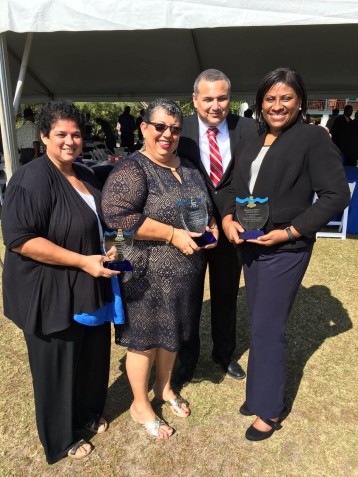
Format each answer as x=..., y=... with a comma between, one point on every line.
x=255, y=167
x=223, y=140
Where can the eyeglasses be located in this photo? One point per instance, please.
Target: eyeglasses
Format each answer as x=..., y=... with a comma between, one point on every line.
x=160, y=127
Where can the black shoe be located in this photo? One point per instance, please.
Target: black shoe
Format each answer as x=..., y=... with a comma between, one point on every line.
x=233, y=369
x=183, y=374
x=253, y=434
x=245, y=411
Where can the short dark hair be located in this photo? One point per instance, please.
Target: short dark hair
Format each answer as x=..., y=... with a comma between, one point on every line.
x=280, y=75
x=57, y=110
x=347, y=108
x=169, y=106
x=28, y=113
x=335, y=112
x=211, y=75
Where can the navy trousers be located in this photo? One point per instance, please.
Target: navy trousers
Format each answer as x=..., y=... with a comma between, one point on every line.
x=272, y=279
x=70, y=371
x=224, y=273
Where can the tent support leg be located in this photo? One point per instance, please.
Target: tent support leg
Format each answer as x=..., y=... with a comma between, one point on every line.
x=7, y=119
x=22, y=73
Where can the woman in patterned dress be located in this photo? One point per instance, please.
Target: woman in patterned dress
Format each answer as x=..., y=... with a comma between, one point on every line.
x=165, y=289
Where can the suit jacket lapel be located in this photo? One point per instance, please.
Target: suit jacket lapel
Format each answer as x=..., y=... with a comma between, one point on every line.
x=232, y=124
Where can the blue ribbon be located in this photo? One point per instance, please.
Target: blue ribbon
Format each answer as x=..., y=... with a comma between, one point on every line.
x=252, y=201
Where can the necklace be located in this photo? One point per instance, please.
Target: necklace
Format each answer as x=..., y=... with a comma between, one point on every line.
x=173, y=169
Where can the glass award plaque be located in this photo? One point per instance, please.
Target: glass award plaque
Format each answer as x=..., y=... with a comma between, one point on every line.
x=252, y=213
x=123, y=244
x=194, y=218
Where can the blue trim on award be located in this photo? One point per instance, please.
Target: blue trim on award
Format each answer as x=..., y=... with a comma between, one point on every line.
x=252, y=201
x=115, y=232
x=111, y=312
x=191, y=201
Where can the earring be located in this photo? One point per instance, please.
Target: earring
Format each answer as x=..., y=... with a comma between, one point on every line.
x=300, y=108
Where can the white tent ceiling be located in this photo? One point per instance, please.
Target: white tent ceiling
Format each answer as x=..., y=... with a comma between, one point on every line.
x=124, y=65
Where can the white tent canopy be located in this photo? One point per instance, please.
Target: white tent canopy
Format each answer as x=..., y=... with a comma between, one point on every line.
x=117, y=50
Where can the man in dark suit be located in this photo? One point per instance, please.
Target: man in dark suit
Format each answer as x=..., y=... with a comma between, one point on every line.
x=340, y=129
x=211, y=98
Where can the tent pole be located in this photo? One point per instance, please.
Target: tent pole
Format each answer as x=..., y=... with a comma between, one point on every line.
x=7, y=119
x=197, y=54
x=22, y=73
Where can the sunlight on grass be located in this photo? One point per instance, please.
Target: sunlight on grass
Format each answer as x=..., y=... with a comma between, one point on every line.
x=318, y=438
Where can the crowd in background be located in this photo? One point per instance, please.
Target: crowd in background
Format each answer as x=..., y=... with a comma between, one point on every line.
x=127, y=132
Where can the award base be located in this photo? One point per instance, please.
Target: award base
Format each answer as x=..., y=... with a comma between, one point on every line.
x=119, y=265
x=251, y=234
x=206, y=239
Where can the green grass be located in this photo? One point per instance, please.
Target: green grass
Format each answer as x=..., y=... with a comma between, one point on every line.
x=319, y=437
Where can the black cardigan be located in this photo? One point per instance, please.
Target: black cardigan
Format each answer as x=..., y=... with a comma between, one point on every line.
x=301, y=161
x=40, y=202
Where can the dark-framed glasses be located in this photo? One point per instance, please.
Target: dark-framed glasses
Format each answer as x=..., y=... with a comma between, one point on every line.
x=160, y=127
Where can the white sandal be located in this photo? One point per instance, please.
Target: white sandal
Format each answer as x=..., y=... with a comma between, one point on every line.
x=152, y=427
x=176, y=407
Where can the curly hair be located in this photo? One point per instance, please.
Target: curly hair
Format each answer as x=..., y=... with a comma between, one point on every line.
x=169, y=106
x=57, y=110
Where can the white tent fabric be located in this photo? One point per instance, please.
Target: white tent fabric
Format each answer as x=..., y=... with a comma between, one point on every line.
x=107, y=15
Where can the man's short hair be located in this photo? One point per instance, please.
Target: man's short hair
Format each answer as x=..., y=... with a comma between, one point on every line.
x=211, y=75
x=28, y=113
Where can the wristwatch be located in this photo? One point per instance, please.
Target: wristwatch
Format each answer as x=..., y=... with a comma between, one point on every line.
x=291, y=237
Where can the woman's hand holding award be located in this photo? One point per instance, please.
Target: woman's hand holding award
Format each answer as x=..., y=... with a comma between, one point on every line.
x=123, y=244
x=194, y=217
x=252, y=213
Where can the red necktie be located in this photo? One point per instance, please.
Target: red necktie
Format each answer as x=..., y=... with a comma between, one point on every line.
x=216, y=162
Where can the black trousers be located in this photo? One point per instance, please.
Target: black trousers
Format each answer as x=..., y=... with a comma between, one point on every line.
x=272, y=279
x=127, y=139
x=224, y=274
x=70, y=372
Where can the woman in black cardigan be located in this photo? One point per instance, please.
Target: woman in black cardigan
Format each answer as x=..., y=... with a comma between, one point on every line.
x=55, y=287
x=286, y=162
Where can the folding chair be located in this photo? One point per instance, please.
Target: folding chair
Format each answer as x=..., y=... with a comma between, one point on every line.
x=103, y=154
x=340, y=222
